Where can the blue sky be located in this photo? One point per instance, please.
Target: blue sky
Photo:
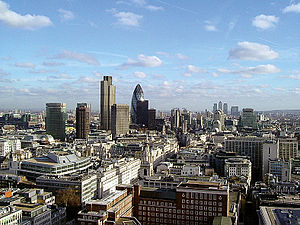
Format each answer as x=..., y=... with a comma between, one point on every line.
x=186, y=54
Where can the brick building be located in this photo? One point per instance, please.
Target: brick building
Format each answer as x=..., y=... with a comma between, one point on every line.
x=190, y=203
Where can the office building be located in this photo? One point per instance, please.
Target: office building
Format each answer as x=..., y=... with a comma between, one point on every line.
x=215, y=107
x=107, y=99
x=278, y=215
x=270, y=152
x=56, y=120
x=248, y=119
x=115, y=208
x=175, y=119
x=288, y=148
x=142, y=113
x=83, y=112
x=190, y=203
x=138, y=95
x=84, y=184
x=119, y=119
x=238, y=167
x=234, y=110
x=281, y=169
x=248, y=146
x=56, y=163
x=220, y=105
x=10, y=215
x=151, y=119
x=225, y=108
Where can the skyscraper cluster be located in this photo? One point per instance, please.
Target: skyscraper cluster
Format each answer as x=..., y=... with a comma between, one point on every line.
x=224, y=107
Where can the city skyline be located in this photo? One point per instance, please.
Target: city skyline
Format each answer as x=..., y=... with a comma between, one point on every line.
x=187, y=55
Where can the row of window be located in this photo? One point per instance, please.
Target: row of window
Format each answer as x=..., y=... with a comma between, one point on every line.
x=179, y=211
x=196, y=202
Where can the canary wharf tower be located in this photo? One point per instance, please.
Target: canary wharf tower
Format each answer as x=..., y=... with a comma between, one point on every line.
x=138, y=95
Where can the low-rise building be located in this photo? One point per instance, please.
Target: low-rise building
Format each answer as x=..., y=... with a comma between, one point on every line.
x=238, y=167
x=84, y=184
x=58, y=163
x=9, y=215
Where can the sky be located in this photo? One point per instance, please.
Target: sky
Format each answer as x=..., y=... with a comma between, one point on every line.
x=186, y=54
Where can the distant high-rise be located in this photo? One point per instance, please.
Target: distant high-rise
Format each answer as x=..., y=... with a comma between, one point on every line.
x=83, y=111
x=225, y=108
x=138, y=95
x=234, y=110
x=119, y=119
x=175, y=119
x=142, y=113
x=248, y=119
x=220, y=106
x=108, y=98
x=151, y=119
x=215, y=108
x=56, y=120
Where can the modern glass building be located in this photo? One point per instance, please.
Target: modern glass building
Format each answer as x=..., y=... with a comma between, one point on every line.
x=56, y=120
x=138, y=95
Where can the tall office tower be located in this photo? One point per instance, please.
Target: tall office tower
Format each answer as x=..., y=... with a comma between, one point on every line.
x=108, y=98
x=234, y=110
x=215, y=108
x=151, y=119
x=83, y=112
x=250, y=146
x=138, y=95
x=225, y=108
x=56, y=120
x=119, y=119
x=175, y=119
x=220, y=106
x=248, y=119
x=142, y=113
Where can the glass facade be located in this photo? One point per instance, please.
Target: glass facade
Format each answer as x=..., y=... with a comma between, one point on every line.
x=138, y=95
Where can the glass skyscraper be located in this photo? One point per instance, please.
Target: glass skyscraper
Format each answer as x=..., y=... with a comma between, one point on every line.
x=138, y=95
x=56, y=120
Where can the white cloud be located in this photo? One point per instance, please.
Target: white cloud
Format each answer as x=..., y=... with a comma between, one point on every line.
x=97, y=74
x=249, y=71
x=66, y=15
x=265, y=22
x=143, y=3
x=87, y=80
x=142, y=61
x=140, y=74
x=3, y=73
x=25, y=65
x=62, y=76
x=80, y=57
x=154, y=8
x=43, y=71
x=210, y=27
x=252, y=51
x=294, y=77
x=214, y=74
x=52, y=64
x=292, y=8
x=193, y=69
x=126, y=18
x=181, y=56
x=27, y=21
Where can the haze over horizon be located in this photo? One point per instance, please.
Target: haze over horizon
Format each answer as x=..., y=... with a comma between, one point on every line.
x=187, y=54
